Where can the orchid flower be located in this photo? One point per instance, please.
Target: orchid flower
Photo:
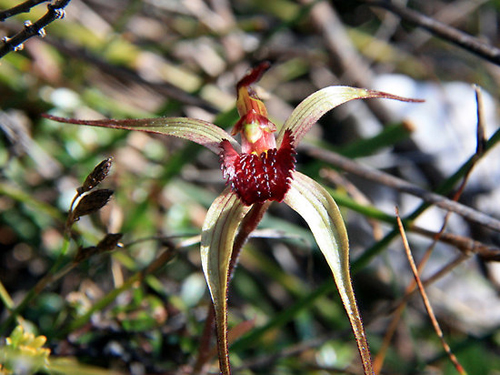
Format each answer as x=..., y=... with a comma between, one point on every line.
x=259, y=171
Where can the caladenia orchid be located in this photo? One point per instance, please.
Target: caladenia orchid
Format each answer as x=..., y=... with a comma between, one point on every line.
x=259, y=171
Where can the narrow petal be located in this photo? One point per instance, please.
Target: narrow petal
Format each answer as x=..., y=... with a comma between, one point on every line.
x=198, y=131
x=312, y=108
x=322, y=215
x=217, y=239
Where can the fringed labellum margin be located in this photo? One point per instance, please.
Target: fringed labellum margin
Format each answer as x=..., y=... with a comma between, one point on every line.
x=258, y=178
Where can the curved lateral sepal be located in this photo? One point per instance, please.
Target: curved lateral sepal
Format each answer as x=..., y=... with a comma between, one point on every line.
x=219, y=231
x=319, y=210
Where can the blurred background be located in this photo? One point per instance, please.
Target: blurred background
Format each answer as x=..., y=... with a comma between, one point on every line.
x=150, y=58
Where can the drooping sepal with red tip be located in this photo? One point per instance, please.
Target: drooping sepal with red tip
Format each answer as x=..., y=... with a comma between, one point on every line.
x=258, y=178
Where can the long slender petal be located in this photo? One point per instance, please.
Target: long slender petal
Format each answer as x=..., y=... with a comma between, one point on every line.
x=198, y=131
x=322, y=215
x=312, y=108
x=217, y=240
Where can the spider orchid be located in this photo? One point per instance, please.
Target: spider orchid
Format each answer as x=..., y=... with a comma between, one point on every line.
x=259, y=171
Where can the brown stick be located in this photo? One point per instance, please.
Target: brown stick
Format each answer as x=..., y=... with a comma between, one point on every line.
x=54, y=11
x=443, y=31
x=402, y=186
x=426, y=301
x=24, y=7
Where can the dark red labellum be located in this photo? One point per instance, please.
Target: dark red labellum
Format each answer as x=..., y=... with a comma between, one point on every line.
x=258, y=178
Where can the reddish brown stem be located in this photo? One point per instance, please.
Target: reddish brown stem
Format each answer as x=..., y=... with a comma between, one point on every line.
x=204, y=348
x=248, y=225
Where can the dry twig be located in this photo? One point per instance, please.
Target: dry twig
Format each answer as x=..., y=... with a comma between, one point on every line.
x=54, y=11
x=20, y=8
x=465, y=246
x=426, y=301
x=443, y=31
x=401, y=185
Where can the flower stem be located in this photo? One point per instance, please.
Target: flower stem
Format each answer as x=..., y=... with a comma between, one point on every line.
x=204, y=351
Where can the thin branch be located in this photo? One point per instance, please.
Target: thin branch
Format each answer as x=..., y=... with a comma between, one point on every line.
x=439, y=236
x=443, y=31
x=402, y=186
x=411, y=288
x=20, y=8
x=466, y=245
x=54, y=11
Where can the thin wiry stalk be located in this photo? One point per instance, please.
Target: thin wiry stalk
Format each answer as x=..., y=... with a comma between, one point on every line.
x=480, y=147
x=404, y=186
x=426, y=301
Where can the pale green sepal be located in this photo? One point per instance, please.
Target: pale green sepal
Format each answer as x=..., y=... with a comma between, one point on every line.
x=312, y=108
x=198, y=131
x=217, y=238
x=321, y=213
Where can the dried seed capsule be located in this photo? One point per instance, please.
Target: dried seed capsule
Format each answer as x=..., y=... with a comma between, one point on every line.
x=99, y=173
x=91, y=203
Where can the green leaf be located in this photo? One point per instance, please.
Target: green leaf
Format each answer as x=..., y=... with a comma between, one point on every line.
x=198, y=131
x=312, y=108
x=321, y=213
x=217, y=238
